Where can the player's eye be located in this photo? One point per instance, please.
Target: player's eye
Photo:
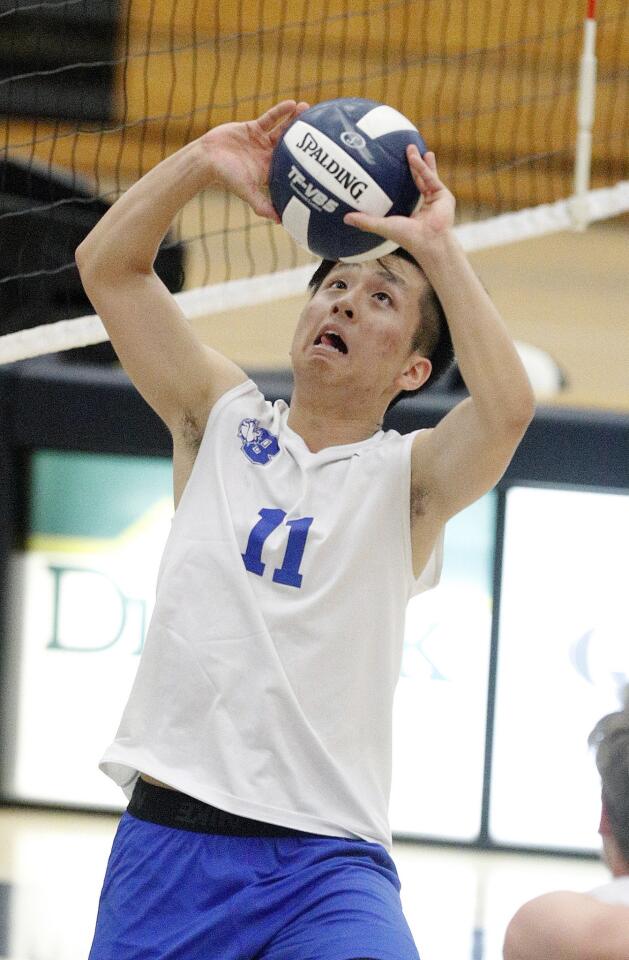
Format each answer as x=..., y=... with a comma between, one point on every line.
x=338, y=284
x=383, y=297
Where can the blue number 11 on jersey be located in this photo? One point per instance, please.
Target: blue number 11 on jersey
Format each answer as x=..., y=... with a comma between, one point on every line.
x=269, y=521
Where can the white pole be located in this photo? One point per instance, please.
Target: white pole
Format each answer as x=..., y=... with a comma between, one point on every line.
x=585, y=121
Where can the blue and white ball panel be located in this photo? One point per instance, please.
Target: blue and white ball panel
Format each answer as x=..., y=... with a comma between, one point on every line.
x=384, y=120
x=296, y=219
x=338, y=173
x=381, y=250
x=343, y=155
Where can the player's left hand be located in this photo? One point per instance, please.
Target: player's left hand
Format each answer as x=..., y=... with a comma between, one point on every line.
x=239, y=154
x=432, y=218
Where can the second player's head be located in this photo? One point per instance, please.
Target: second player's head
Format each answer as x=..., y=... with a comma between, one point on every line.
x=610, y=737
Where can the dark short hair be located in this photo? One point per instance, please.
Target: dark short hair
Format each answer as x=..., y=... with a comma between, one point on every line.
x=610, y=737
x=432, y=335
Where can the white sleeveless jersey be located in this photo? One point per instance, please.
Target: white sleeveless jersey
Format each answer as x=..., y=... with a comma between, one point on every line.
x=266, y=684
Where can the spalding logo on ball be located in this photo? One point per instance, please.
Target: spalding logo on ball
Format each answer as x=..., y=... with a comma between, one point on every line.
x=343, y=155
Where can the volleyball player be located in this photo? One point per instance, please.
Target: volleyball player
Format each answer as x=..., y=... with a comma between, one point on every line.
x=564, y=924
x=256, y=743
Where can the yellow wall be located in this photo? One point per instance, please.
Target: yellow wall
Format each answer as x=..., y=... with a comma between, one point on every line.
x=481, y=99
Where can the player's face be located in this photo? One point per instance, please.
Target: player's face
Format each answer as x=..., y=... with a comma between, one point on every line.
x=359, y=326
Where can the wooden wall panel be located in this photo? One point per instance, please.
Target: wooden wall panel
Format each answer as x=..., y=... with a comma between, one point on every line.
x=482, y=101
x=371, y=24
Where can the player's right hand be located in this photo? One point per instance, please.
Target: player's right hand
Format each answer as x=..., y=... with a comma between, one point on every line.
x=239, y=154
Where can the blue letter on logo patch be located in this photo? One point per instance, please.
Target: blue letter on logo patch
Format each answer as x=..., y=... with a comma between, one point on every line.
x=258, y=445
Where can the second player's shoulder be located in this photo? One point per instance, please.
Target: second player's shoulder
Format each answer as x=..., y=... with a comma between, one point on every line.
x=566, y=923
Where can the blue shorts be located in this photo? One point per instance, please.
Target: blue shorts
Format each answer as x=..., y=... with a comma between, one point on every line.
x=186, y=894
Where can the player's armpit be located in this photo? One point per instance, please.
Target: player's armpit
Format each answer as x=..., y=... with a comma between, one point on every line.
x=462, y=458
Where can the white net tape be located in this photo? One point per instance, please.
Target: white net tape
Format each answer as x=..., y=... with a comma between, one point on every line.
x=218, y=298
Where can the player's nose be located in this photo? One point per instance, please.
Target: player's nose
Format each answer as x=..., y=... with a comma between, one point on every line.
x=344, y=307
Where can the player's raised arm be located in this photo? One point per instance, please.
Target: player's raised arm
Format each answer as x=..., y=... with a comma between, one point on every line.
x=174, y=372
x=465, y=455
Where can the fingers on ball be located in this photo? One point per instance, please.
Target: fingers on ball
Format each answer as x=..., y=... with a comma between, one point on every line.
x=277, y=113
x=421, y=161
x=363, y=222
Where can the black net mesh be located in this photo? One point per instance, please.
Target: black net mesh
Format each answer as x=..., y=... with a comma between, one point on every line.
x=95, y=92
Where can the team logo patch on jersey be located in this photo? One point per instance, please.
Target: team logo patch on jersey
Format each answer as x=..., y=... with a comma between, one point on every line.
x=257, y=444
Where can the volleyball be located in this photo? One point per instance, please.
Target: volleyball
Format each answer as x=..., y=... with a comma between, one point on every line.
x=338, y=156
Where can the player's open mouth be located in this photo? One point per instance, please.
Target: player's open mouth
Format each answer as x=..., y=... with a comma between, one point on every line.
x=332, y=339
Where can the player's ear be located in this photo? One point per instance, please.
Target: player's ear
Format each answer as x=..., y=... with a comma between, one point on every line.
x=416, y=371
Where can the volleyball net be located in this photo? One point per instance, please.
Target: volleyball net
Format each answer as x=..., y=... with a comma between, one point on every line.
x=526, y=105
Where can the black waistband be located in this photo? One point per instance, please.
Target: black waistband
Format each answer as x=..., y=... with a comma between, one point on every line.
x=168, y=808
